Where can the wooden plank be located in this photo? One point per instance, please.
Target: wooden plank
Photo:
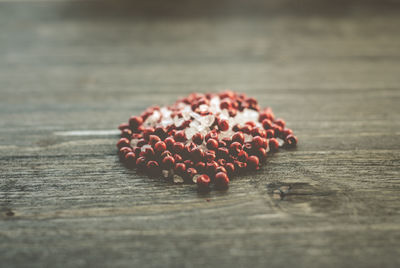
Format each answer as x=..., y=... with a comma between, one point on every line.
x=70, y=72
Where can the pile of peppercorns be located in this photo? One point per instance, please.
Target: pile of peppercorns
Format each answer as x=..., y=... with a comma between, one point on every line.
x=203, y=139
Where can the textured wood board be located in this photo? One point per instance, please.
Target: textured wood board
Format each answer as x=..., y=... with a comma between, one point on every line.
x=333, y=74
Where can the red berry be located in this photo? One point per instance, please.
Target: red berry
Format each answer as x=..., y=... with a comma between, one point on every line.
x=230, y=168
x=212, y=144
x=223, y=125
x=267, y=124
x=123, y=126
x=211, y=135
x=280, y=122
x=198, y=138
x=124, y=150
x=180, y=136
x=238, y=137
x=168, y=162
x=153, y=139
x=203, y=182
x=235, y=148
x=291, y=141
x=178, y=147
x=135, y=122
x=273, y=144
x=253, y=162
x=130, y=159
x=242, y=156
x=258, y=142
x=169, y=142
x=180, y=168
x=123, y=142
x=221, y=181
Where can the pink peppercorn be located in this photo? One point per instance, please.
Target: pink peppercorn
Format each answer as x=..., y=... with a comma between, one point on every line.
x=197, y=154
x=178, y=147
x=203, y=182
x=141, y=163
x=286, y=132
x=153, y=139
x=270, y=133
x=291, y=141
x=130, y=159
x=242, y=156
x=198, y=138
x=238, y=137
x=200, y=167
x=267, y=124
x=168, y=162
x=126, y=133
x=273, y=144
x=247, y=129
x=222, y=152
x=221, y=181
x=180, y=136
x=261, y=153
x=180, y=168
x=211, y=135
x=258, y=142
x=253, y=163
x=135, y=122
x=235, y=148
x=230, y=168
x=212, y=144
x=160, y=147
x=210, y=156
x=123, y=142
x=169, y=142
x=178, y=158
x=223, y=125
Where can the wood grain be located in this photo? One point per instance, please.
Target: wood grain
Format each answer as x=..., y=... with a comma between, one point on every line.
x=331, y=71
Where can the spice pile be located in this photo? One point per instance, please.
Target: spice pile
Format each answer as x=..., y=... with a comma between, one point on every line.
x=203, y=139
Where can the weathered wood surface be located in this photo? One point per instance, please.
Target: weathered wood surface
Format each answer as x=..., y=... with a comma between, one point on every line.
x=331, y=70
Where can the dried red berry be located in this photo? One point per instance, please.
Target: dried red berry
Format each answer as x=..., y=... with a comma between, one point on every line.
x=273, y=144
x=238, y=137
x=203, y=182
x=267, y=124
x=235, y=148
x=180, y=136
x=169, y=142
x=180, y=168
x=130, y=159
x=221, y=181
x=168, y=162
x=126, y=133
x=230, y=168
x=178, y=147
x=212, y=144
x=153, y=139
x=258, y=142
x=123, y=126
x=135, y=122
x=291, y=141
x=198, y=138
x=253, y=162
x=223, y=125
x=123, y=142
x=160, y=147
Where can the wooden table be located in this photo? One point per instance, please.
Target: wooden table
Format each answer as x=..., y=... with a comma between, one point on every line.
x=72, y=71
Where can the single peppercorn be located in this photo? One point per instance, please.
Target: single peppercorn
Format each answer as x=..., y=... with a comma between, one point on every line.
x=178, y=158
x=223, y=124
x=212, y=144
x=126, y=133
x=273, y=144
x=153, y=168
x=153, y=139
x=211, y=135
x=291, y=141
x=160, y=147
x=270, y=133
x=169, y=142
x=230, y=168
x=253, y=162
x=238, y=137
x=210, y=156
x=141, y=163
x=200, y=167
x=123, y=142
x=123, y=126
x=168, y=162
x=180, y=168
x=178, y=147
x=190, y=173
x=198, y=138
x=280, y=122
x=258, y=142
x=267, y=124
x=203, y=182
x=135, y=122
x=221, y=181
x=130, y=159
x=180, y=136
x=242, y=156
x=235, y=148
x=197, y=154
